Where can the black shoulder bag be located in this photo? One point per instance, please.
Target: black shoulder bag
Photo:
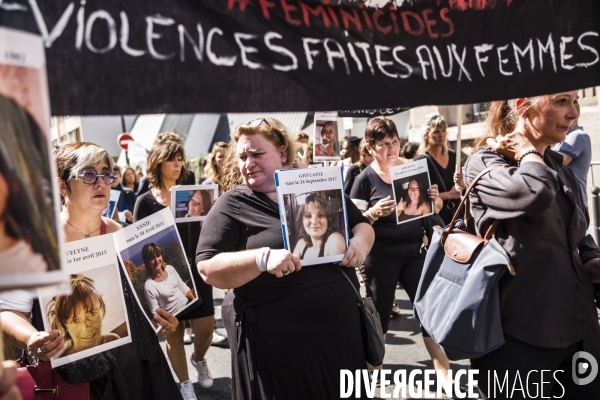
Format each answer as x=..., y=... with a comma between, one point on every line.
x=372, y=332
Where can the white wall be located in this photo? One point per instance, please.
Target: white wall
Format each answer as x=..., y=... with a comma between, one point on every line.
x=104, y=130
x=200, y=135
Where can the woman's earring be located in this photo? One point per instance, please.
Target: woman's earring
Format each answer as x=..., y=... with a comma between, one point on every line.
x=524, y=124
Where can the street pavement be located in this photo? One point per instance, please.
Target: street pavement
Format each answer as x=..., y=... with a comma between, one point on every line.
x=404, y=351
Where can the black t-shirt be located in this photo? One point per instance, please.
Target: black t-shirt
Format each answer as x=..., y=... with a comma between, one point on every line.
x=370, y=187
x=447, y=174
x=242, y=219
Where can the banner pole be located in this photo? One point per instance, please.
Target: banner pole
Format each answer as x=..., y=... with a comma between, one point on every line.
x=459, y=120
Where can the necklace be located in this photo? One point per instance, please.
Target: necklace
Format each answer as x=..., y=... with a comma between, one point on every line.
x=86, y=235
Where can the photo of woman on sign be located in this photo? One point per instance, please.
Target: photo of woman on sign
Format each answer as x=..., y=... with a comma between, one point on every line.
x=199, y=204
x=28, y=235
x=326, y=142
x=318, y=237
x=414, y=203
x=79, y=316
x=164, y=288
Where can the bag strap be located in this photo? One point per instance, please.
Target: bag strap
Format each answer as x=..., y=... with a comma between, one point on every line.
x=358, y=296
x=465, y=202
x=432, y=162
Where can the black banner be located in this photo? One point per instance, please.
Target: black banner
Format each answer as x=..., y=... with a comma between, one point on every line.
x=178, y=56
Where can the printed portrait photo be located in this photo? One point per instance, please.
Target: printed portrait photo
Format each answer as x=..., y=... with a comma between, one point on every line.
x=92, y=317
x=28, y=230
x=160, y=274
x=412, y=199
x=316, y=224
x=326, y=143
x=192, y=203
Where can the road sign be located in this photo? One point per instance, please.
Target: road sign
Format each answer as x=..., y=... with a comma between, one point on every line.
x=124, y=139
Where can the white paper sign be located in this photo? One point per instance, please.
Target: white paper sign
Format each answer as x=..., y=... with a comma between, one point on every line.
x=326, y=145
x=92, y=316
x=193, y=202
x=313, y=213
x=30, y=230
x=410, y=182
x=156, y=266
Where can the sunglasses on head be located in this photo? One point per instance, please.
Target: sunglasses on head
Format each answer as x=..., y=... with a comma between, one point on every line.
x=255, y=123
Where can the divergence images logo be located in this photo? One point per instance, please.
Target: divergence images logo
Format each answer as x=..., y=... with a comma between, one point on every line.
x=580, y=367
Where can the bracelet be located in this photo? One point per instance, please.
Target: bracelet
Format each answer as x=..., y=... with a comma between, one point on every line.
x=261, y=258
x=528, y=152
x=370, y=216
x=29, y=352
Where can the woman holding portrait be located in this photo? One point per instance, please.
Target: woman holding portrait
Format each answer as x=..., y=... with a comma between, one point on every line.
x=281, y=318
x=397, y=255
x=165, y=169
x=543, y=230
x=317, y=235
x=132, y=371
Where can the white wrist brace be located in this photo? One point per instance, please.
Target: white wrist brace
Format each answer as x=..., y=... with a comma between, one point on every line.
x=261, y=258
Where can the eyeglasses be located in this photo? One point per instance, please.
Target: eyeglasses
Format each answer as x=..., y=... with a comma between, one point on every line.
x=90, y=177
x=394, y=144
x=255, y=123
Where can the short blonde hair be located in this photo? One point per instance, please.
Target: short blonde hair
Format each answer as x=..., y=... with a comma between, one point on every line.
x=274, y=131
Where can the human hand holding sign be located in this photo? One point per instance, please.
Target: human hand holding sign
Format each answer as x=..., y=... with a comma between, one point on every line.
x=167, y=320
x=281, y=262
x=45, y=345
x=383, y=207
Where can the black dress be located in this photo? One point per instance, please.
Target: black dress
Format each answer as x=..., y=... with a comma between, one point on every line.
x=189, y=232
x=289, y=336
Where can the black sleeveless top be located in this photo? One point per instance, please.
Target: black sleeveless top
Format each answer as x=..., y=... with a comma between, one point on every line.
x=321, y=251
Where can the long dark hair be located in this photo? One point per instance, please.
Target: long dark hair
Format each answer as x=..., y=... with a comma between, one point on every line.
x=25, y=165
x=421, y=199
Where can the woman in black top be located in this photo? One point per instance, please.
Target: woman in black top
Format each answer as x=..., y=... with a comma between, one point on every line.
x=291, y=328
x=165, y=170
x=396, y=255
x=547, y=308
x=442, y=164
